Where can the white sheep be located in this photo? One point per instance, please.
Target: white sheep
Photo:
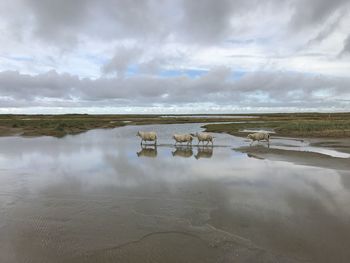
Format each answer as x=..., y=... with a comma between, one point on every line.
x=259, y=136
x=180, y=138
x=147, y=136
x=204, y=137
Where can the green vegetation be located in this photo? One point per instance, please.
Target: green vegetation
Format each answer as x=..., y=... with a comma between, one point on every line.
x=51, y=125
x=300, y=124
x=296, y=126
x=61, y=125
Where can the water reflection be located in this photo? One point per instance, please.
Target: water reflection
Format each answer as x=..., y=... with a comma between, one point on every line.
x=262, y=144
x=204, y=152
x=183, y=151
x=251, y=155
x=89, y=198
x=148, y=151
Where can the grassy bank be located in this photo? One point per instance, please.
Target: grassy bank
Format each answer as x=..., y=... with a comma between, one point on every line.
x=57, y=126
x=294, y=126
x=61, y=125
x=301, y=124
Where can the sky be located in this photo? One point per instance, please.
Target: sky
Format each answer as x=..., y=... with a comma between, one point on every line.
x=174, y=56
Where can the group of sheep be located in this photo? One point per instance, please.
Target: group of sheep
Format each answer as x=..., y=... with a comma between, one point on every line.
x=179, y=138
x=202, y=137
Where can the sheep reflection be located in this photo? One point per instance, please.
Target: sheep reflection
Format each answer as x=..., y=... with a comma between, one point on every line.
x=180, y=151
x=183, y=151
x=147, y=151
x=250, y=155
x=204, y=152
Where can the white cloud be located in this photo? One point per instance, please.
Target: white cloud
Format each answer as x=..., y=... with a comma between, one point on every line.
x=66, y=54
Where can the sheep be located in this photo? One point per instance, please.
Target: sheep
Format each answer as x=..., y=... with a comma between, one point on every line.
x=203, y=136
x=259, y=136
x=180, y=138
x=147, y=136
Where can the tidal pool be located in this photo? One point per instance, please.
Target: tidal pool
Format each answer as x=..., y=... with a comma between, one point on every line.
x=100, y=197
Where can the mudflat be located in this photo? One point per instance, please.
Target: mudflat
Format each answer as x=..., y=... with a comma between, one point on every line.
x=298, y=157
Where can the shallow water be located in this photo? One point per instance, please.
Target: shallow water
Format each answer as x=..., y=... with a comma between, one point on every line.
x=211, y=116
x=270, y=131
x=100, y=197
x=305, y=146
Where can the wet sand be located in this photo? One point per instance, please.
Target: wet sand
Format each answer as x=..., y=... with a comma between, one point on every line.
x=341, y=144
x=100, y=197
x=297, y=157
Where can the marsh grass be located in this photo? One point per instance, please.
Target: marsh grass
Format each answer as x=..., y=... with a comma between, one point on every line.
x=290, y=127
x=297, y=124
x=57, y=126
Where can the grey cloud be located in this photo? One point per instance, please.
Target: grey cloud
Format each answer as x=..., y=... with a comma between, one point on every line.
x=58, y=21
x=147, y=61
x=46, y=85
x=346, y=48
x=312, y=12
x=142, y=18
x=66, y=21
x=156, y=63
x=268, y=89
x=328, y=29
x=63, y=23
x=206, y=20
x=153, y=65
x=122, y=58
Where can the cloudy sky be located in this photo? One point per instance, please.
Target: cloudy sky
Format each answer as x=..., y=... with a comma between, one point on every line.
x=168, y=56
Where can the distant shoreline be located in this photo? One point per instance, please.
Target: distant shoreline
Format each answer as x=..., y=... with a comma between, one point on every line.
x=335, y=125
